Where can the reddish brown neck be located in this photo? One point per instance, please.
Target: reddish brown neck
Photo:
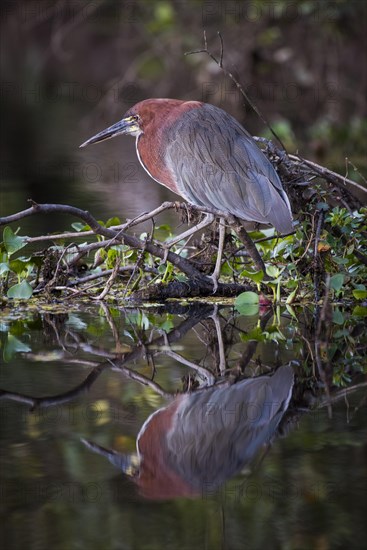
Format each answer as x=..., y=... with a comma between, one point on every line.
x=157, y=116
x=157, y=479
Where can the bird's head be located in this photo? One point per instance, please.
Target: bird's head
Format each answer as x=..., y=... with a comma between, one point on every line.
x=129, y=124
x=148, y=115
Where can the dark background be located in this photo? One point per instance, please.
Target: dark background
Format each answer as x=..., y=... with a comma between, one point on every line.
x=69, y=69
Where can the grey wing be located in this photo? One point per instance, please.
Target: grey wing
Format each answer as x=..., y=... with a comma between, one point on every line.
x=217, y=432
x=216, y=163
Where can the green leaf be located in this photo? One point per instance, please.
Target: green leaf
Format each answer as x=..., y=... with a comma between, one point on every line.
x=4, y=268
x=164, y=227
x=338, y=317
x=273, y=271
x=342, y=333
x=255, y=334
x=256, y=276
x=275, y=334
x=360, y=294
x=167, y=325
x=75, y=322
x=18, y=266
x=291, y=311
x=360, y=311
x=113, y=221
x=337, y=281
x=20, y=291
x=322, y=206
x=292, y=296
x=247, y=298
x=12, y=242
x=249, y=309
x=13, y=346
x=247, y=303
x=79, y=226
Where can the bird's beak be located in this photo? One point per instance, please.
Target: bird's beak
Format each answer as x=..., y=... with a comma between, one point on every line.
x=127, y=125
x=129, y=464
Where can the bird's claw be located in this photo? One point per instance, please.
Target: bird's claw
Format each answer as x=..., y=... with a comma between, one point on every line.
x=166, y=252
x=214, y=278
x=166, y=249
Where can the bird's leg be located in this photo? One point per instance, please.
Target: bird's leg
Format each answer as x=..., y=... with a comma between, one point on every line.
x=218, y=264
x=208, y=219
x=218, y=329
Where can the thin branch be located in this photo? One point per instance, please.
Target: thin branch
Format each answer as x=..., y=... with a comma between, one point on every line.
x=107, y=273
x=201, y=370
x=235, y=81
x=181, y=263
x=65, y=397
x=133, y=375
x=84, y=250
x=81, y=234
x=347, y=162
x=247, y=241
x=110, y=281
x=318, y=258
x=340, y=394
x=327, y=174
x=221, y=50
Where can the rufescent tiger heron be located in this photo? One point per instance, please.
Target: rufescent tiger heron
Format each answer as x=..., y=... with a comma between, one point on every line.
x=203, y=438
x=204, y=155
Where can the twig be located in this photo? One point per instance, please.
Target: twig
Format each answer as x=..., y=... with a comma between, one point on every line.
x=84, y=250
x=340, y=394
x=347, y=162
x=137, y=266
x=327, y=174
x=318, y=259
x=149, y=215
x=133, y=375
x=235, y=81
x=110, y=281
x=247, y=241
x=194, y=366
x=106, y=273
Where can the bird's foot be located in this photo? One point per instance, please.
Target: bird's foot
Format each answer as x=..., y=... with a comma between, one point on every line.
x=214, y=277
x=169, y=244
x=166, y=252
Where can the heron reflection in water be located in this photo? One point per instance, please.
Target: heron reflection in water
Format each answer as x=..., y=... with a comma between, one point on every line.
x=203, y=438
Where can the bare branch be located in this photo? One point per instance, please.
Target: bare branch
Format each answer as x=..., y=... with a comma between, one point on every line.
x=221, y=50
x=327, y=174
x=236, y=82
x=110, y=280
x=181, y=263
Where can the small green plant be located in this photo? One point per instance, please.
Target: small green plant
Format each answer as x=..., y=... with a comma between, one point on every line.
x=20, y=267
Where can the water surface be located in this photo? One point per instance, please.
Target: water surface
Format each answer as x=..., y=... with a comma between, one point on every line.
x=98, y=373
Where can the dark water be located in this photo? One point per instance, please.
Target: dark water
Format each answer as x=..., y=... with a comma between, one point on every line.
x=274, y=462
